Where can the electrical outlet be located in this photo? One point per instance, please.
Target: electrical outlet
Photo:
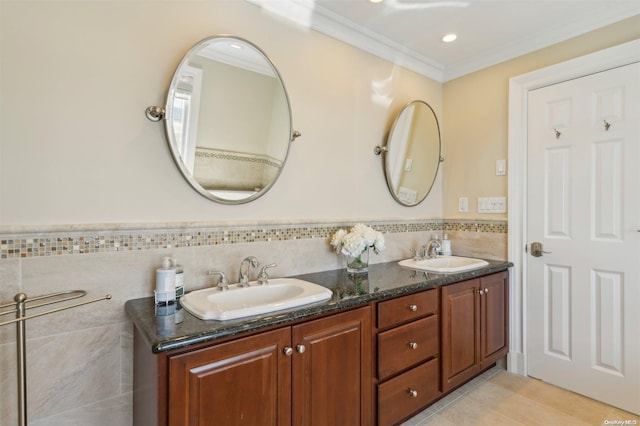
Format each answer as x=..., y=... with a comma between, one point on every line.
x=492, y=205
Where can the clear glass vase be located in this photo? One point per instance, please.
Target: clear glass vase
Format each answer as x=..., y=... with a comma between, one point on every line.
x=358, y=264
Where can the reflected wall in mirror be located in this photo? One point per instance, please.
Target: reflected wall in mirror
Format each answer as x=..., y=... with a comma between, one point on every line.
x=413, y=153
x=228, y=120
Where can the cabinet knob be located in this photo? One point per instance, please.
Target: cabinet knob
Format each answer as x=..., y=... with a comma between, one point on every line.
x=413, y=345
x=413, y=308
x=486, y=290
x=481, y=292
x=288, y=351
x=300, y=349
x=413, y=393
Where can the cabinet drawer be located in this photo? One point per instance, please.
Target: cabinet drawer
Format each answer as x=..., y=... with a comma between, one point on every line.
x=408, y=393
x=407, y=345
x=406, y=308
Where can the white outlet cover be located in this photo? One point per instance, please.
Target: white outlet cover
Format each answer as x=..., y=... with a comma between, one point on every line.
x=492, y=205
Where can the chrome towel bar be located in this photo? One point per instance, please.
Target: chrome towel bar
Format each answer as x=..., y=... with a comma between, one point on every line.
x=20, y=303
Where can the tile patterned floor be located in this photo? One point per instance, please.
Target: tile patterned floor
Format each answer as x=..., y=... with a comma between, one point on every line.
x=498, y=397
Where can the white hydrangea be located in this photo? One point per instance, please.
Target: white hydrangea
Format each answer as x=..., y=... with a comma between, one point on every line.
x=378, y=244
x=369, y=234
x=336, y=240
x=354, y=242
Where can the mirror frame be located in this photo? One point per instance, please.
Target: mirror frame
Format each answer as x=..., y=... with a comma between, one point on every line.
x=385, y=155
x=168, y=120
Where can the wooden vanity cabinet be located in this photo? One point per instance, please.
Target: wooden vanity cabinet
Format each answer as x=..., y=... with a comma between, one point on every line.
x=332, y=377
x=408, y=345
x=331, y=370
x=317, y=372
x=474, y=327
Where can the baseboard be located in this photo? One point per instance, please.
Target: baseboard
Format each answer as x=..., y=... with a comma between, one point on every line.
x=516, y=363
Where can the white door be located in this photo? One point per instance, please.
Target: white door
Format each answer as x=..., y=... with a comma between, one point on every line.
x=583, y=206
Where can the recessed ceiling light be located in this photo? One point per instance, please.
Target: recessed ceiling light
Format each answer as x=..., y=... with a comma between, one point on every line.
x=449, y=38
x=376, y=1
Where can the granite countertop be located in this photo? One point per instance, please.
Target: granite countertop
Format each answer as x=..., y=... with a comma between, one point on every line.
x=167, y=328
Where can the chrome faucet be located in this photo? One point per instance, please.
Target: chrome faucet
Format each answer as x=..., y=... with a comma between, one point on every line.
x=222, y=283
x=431, y=249
x=263, y=276
x=246, y=263
x=418, y=254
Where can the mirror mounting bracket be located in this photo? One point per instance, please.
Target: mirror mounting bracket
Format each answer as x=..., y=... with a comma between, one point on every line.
x=154, y=113
x=377, y=150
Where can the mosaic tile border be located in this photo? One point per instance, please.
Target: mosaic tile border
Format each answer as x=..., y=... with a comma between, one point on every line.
x=476, y=226
x=238, y=156
x=61, y=243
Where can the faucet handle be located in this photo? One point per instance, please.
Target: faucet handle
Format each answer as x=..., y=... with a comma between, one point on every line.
x=222, y=283
x=416, y=255
x=263, y=277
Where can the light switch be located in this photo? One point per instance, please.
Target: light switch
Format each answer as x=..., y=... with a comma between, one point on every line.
x=463, y=205
x=501, y=167
x=407, y=164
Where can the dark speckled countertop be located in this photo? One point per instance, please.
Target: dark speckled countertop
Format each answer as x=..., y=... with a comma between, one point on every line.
x=172, y=328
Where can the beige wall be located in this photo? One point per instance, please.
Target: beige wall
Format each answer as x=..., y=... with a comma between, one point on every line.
x=475, y=118
x=77, y=148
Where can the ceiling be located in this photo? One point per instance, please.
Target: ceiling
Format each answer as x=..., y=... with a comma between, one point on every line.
x=409, y=32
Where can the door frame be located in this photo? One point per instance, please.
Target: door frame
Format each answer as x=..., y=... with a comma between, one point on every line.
x=519, y=87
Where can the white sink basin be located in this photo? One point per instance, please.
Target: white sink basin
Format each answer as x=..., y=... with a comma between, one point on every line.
x=444, y=264
x=238, y=302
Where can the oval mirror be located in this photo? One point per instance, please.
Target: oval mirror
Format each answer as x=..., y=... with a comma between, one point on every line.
x=412, y=155
x=228, y=120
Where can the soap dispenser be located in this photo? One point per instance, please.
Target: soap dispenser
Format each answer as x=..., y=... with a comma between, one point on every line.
x=179, y=278
x=165, y=292
x=445, y=245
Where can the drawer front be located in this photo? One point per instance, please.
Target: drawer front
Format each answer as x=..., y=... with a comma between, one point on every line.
x=407, y=345
x=408, y=393
x=406, y=308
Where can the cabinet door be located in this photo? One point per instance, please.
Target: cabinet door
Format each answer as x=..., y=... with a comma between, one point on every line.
x=243, y=382
x=332, y=370
x=460, y=332
x=495, y=316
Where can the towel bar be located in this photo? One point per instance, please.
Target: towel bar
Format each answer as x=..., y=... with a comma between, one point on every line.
x=20, y=303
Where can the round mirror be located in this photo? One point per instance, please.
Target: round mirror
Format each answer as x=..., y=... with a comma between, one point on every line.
x=412, y=155
x=228, y=120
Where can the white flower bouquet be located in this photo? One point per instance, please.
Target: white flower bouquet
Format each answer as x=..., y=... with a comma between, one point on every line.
x=359, y=238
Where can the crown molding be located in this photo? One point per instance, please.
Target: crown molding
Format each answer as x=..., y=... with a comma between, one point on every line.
x=333, y=25
x=329, y=23
x=362, y=38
